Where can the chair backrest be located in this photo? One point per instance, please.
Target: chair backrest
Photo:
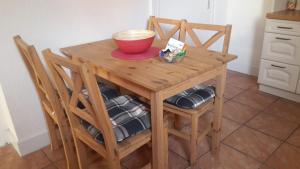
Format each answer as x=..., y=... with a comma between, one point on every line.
x=73, y=79
x=47, y=93
x=221, y=31
x=155, y=24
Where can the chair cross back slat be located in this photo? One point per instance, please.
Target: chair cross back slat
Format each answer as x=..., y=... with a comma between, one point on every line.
x=39, y=75
x=71, y=87
x=221, y=31
x=49, y=100
x=155, y=25
x=84, y=79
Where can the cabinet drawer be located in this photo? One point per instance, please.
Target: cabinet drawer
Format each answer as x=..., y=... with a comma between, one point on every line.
x=279, y=75
x=283, y=27
x=282, y=48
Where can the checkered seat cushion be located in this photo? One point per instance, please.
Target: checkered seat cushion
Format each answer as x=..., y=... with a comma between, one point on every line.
x=107, y=93
x=128, y=118
x=193, y=97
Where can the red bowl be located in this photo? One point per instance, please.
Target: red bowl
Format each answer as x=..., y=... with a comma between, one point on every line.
x=134, y=41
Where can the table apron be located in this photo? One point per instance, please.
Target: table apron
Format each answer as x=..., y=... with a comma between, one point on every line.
x=133, y=87
x=165, y=93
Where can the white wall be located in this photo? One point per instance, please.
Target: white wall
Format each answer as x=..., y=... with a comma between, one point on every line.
x=280, y=4
x=52, y=24
x=247, y=18
x=192, y=10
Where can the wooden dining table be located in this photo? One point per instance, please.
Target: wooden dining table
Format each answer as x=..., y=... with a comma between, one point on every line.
x=156, y=80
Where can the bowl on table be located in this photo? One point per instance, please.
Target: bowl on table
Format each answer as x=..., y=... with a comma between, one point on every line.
x=134, y=41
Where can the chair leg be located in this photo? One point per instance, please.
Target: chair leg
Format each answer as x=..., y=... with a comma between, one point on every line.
x=52, y=132
x=81, y=153
x=177, y=122
x=114, y=163
x=68, y=147
x=166, y=142
x=193, y=141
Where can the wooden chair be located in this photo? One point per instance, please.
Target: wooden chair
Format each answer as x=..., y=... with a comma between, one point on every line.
x=155, y=24
x=93, y=112
x=221, y=31
x=50, y=102
x=193, y=114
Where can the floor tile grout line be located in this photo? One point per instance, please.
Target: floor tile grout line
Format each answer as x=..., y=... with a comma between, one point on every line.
x=274, y=137
x=242, y=90
x=231, y=132
x=245, y=154
x=298, y=147
x=244, y=125
x=202, y=155
x=47, y=156
x=269, y=157
x=245, y=90
x=179, y=155
x=280, y=116
x=184, y=158
x=235, y=121
x=298, y=127
x=231, y=84
x=259, y=110
x=51, y=164
x=263, y=112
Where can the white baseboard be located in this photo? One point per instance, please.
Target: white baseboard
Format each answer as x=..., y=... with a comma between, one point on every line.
x=5, y=137
x=280, y=93
x=246, y=69
x=2, y=141
x=32, y=143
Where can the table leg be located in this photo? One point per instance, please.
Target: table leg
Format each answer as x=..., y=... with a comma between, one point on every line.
x=218, y=111
x=158, y=160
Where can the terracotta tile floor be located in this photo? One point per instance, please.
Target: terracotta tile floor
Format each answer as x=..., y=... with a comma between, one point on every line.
x=260, y=131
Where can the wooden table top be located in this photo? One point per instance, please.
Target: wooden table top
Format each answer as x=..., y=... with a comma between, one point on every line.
x=285, y=15
x=153, y=73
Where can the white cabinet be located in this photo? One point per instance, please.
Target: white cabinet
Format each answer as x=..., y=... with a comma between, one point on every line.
x=279, y=75
x=281, y=48
x=283, y=27
x=279, y=72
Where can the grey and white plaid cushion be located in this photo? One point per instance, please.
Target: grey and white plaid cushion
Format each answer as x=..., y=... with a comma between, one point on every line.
x=107, y=92
x=128, y=118
x=193, y=97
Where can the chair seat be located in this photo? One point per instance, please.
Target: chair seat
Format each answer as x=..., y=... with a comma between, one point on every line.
x=106, y=91
x=193, y=97
x=128, y=118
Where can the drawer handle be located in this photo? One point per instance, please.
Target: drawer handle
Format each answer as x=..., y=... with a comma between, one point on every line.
x=281, y=67
x=282, y=38
x=283, y=27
